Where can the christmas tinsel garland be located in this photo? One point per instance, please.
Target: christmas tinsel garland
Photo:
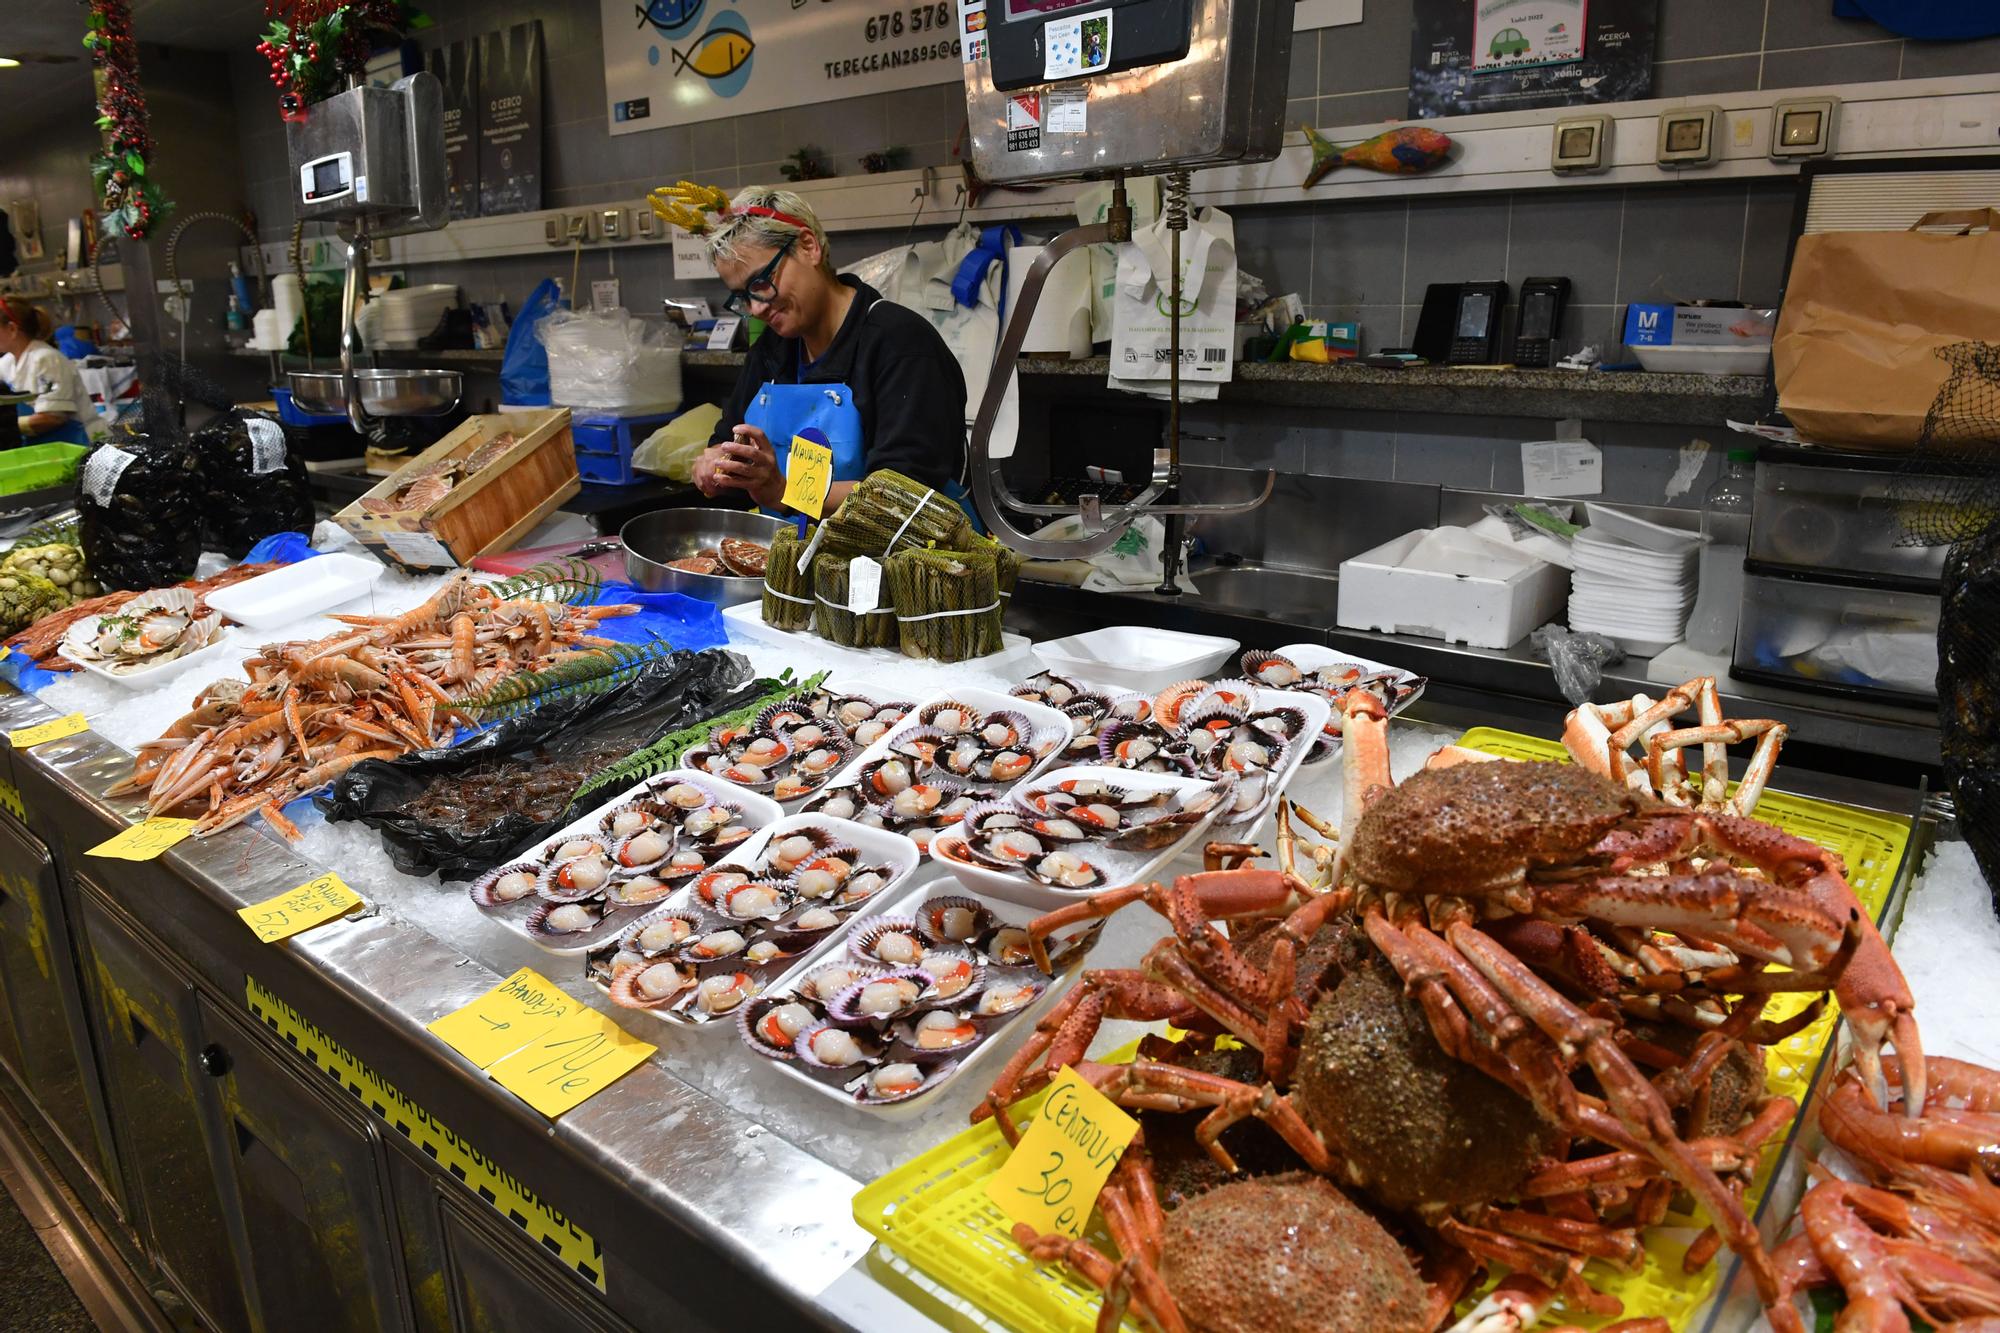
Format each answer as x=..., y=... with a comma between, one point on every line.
x=132, y=200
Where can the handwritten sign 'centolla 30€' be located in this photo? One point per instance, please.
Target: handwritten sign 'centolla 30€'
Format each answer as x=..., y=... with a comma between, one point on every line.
x=1053, y=1177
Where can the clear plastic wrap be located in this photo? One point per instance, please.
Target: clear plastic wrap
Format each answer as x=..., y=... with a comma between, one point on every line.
x=612, y=361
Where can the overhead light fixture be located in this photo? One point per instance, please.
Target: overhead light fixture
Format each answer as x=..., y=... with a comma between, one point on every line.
x=8, y=62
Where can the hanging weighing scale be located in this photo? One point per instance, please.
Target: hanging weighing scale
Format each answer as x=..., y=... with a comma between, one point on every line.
x=1159, y=87
x=371, y=161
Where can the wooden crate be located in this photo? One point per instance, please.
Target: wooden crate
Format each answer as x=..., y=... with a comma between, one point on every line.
x=489, y=512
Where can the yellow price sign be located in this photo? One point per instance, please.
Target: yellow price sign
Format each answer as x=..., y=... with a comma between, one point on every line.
x=574, y=1060
x=504, y=1019
x=62, y=728
x=143, y=842
x=808, y=476
x=1053, y=1177
x=310, y=904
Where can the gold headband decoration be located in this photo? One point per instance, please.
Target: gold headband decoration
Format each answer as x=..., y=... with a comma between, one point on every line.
x=688, y=206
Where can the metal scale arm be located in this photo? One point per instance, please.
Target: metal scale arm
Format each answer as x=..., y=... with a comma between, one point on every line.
x=988, y=489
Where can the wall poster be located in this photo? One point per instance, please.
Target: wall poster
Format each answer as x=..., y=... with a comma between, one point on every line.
x=1469, y=56
x=510, y=119
x=672, y=62
x=456, y=66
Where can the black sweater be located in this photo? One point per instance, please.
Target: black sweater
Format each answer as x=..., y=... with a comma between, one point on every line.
x=906, y=384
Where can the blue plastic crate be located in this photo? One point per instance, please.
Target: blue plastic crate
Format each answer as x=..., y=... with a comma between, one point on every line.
x=292, y=414
x=604, y=444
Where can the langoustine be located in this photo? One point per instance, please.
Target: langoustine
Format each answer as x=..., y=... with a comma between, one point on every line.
x=378, y=688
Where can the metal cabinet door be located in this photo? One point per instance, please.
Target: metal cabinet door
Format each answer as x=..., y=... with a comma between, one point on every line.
x=308, y=1175
x=499, y=1282
x=42, y=1040
x=140, y=1009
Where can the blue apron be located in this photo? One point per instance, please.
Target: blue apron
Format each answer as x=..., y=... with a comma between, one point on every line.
x=782, y=411
x=70, y=432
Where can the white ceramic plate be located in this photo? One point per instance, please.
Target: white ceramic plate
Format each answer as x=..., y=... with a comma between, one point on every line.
x=296, y=591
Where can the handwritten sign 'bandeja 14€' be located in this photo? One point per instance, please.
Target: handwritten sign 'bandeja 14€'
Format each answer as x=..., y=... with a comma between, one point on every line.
x=1053, y=1177
x=504, y=1019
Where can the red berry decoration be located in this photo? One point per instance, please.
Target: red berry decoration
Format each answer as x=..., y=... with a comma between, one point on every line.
x=313, y=46
x=132, y=202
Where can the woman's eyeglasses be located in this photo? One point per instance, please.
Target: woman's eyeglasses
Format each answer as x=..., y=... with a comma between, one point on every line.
x=762, y=287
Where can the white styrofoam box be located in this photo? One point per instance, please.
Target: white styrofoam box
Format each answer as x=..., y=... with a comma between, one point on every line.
x=1137, y=657
x=1483, y=612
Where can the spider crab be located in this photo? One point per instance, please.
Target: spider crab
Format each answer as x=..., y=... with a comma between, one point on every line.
x=1526, y=909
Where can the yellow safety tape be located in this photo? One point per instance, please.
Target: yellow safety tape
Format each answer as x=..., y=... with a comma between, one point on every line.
x=443, y=1145
x=10, y=801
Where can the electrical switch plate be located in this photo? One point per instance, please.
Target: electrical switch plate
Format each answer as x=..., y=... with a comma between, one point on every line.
x=552, y=229
x=1687, y=136
x=1580, y=144
x=612, y=223
x=645, y=226
x=1804, y=128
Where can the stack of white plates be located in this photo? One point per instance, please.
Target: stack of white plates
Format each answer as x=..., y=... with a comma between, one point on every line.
x=401, y=317
x=1633, y=594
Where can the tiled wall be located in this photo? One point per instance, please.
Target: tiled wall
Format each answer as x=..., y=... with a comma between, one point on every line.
x=1681, y=239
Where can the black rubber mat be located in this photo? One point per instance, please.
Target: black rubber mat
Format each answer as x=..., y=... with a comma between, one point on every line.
x=34, y=1296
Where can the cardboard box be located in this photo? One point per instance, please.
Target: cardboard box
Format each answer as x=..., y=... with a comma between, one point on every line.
x=481, y=514
x=1494, y=612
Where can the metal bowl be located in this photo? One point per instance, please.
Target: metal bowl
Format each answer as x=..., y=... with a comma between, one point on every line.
x=384, y=393
x=651, y=540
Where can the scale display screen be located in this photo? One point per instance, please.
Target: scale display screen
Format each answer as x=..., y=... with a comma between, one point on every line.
x=1020, y=9
x=329, y=177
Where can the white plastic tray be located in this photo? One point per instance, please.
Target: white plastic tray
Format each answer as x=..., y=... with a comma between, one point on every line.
x=1311, y=655
x=1317, y=711
x=1051, y=729
x=893, y=849
x=1136, y=657
x=1010, y=1035
x=1630, y=528
x=296, y=591
x=1015, y=658
x=152, y=675
x=947, y=847
x=758, y=811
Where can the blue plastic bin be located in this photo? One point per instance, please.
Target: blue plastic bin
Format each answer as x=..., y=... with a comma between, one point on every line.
x=604, y=443
x=292, y=414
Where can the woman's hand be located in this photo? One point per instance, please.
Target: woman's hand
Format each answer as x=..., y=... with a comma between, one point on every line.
x=749, y=463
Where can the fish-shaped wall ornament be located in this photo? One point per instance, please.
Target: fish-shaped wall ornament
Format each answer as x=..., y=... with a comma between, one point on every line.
x=1401, y=152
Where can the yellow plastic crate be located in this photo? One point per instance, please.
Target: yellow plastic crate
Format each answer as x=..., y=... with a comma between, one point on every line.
x=933, y=1214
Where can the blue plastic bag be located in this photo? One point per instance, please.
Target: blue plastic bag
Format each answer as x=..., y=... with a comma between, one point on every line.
x=524, y=370
x=684, y=622
x=287, y=548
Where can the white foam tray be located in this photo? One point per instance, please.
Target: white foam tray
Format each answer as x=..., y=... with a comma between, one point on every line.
x=296, y=591
x=947, y=846
x=152, y=675
x=894, y=850
x=1051, y=728
x=1010, y=1035
x=758, y=812
x=1136, y=657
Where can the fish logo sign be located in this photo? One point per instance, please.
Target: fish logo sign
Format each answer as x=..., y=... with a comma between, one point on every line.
x=721, y=55
x=671, y=17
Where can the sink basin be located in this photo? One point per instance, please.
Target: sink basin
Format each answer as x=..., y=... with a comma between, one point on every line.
x=1291, y=595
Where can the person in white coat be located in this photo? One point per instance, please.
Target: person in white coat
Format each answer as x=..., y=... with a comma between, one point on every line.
x=29, y=365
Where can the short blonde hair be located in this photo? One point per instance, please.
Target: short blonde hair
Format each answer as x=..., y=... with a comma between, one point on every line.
x=759, y=229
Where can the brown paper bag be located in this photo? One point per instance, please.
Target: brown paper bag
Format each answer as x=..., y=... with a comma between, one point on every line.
x=1855, y=354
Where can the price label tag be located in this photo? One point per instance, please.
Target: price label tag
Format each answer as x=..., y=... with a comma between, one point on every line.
x=1053, y=1177
x=574, y=1060
x=808, y=474
x=864, y=585
x=26, y=738
x=722, y=336
x=504, y=1019
x=143, y=842
x=312, y=903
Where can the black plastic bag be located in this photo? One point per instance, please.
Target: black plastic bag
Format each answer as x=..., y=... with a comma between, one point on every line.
x=255, y=482
x=139, y=499
x=668, y=693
